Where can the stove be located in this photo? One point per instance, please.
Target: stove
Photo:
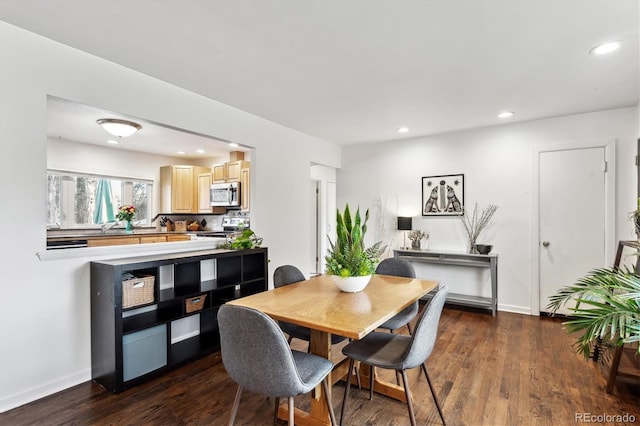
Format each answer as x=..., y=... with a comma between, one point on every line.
x=230, y=225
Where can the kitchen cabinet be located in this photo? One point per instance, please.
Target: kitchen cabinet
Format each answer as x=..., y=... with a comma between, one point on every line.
x=112, y=241
x=245, y=189
x=153, y=239
x=219, y=173
x=204, y=192
x=234, y=170
x=179, y=188
x=178, y=324
x=178, y=237
x=100, y=241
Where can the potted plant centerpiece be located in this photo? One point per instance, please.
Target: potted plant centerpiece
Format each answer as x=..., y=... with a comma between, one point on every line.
x=348, y=262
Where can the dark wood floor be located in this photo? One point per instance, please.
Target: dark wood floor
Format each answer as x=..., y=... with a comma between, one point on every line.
x=508, y=370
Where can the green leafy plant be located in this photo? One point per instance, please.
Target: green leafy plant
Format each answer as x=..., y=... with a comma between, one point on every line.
x=348, y=256
x=246, y=240
x=607, y=308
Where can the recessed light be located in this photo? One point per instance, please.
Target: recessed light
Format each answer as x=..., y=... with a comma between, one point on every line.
x=506, y=114
x=605, y=48
x=403, y=129
x=180, y=152
x=233, y=145
x=112, y=142
x=200, y=151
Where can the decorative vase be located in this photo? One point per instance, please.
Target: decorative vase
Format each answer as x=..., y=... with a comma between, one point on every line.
x=129, y=227
x=351, y=284
x=472, y=246
x=415, y=244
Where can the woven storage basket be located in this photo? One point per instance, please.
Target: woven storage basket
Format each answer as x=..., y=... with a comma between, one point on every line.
x=137, y=291
x=194, y=304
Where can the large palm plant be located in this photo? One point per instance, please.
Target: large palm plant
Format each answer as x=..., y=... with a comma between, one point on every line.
x=607, y=308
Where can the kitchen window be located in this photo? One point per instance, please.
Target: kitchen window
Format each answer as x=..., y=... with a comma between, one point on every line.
x=77, y=200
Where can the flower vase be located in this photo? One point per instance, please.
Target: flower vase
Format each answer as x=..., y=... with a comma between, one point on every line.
x=129, y=227
x=415, y=244
x=472, y=246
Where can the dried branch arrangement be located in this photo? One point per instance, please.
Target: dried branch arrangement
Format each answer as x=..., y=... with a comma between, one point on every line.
x=474, y=224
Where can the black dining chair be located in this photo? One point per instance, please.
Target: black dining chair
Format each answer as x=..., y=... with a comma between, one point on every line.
x=399, y=268
x=399, y=352
x=257, y=356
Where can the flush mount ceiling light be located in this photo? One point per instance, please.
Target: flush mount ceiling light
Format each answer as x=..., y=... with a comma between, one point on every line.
x=118, y=127
x=506, y=114
x=233, y=145
x=112, y=142
x=605, y=48
x=403, y=129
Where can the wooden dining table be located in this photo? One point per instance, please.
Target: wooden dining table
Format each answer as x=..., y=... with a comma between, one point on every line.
x=318, y=304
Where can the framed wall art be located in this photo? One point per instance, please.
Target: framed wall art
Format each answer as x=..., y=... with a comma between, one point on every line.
x=443, y=195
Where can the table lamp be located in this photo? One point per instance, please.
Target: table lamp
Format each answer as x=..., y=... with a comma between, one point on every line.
x=404, y=224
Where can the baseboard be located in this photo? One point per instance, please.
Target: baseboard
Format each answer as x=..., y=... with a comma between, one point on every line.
x=47, y=389
x=524, y=310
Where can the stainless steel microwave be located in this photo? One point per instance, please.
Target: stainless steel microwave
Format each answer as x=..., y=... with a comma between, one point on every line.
x=225, y=194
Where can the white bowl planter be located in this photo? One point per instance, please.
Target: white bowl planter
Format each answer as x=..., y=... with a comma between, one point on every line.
x=351, y=284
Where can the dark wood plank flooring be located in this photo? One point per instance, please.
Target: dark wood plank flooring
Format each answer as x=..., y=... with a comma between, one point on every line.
x=509, y=370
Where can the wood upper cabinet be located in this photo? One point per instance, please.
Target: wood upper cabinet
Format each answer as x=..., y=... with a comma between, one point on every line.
x=234, y=170
x=245, y=189
x=220, y=173
x=179, y=188
x=204, y=193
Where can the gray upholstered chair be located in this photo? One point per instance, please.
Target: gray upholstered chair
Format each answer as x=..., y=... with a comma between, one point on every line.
x=257, y=356
x=399, y=268
x=399, y=352
x=289, y=274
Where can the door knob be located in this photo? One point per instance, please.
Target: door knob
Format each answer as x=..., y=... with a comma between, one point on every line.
x=545, y=243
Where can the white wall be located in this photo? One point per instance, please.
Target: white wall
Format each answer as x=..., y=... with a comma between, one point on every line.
x=326, y=179
x=44, y=305
x=497, y=167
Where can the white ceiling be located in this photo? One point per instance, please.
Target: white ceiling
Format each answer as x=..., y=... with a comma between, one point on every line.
x=354, y=71
x=78, y=122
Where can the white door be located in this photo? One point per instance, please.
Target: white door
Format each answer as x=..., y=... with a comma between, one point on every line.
x=571, y=217
x=313, y=220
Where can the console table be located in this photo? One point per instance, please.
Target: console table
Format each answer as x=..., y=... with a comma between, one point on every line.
x=460, y=259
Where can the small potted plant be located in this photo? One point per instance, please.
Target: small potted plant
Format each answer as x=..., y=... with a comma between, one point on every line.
x=475, y=224
x=416, y=236
x=126, y=213
x=348, y=262
x=246, y=239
